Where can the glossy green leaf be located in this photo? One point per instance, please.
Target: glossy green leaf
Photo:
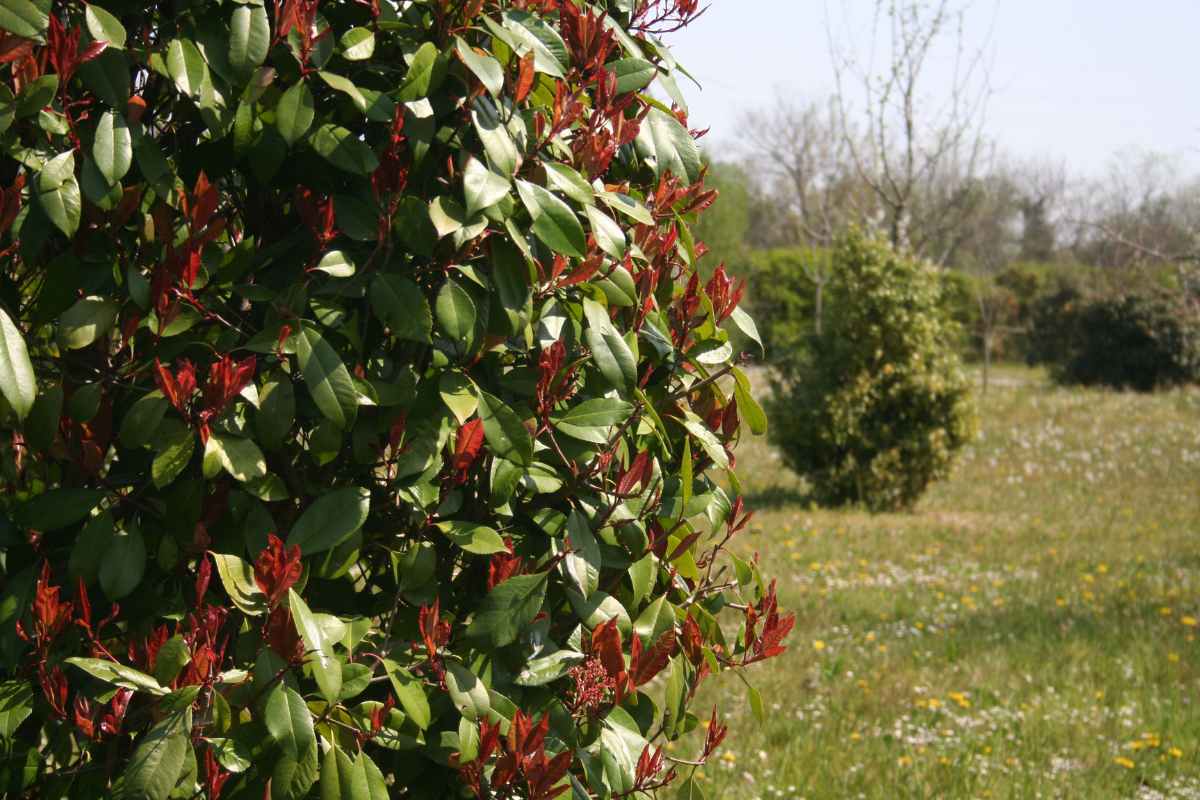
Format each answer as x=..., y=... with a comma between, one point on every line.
x=410, y=694
x=748, y=408
x=456, y=314
x=401, y=305
x=295, y=113
x=249, y=38
x=583, y=561
x=276, y=412
x=668, y=146
x=420, y=75
x=486, y=68
x=238, y=456
x=319, y=650
x=237, y=576
x=187, y=67
x=58, y=193
x=344, y=150
x=708, y=440
x=357, y=44
x=103, y=26
x=175, y=448
x=553, y=220
x=482, y=188
x=328, y=381
x=330, y=520
x=505, y=433
x=608, y=233
x=473, y=537
x=507, y=609
x=123, y=565
x=57, y=508
x=460, y=395
x=119, y=675
x=24, y=18
x=16, y=704
x=86, y=322
x=342, y=778
x=633, y=74
x=142, y=419
x=159, y=758
x=498, y=143
x=17, y=381
x=593, y=420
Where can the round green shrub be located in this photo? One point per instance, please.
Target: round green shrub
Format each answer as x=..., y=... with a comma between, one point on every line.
x=362, y=410
x=874, y=410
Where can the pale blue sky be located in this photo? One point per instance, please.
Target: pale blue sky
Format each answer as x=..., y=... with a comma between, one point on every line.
x=1074, y=80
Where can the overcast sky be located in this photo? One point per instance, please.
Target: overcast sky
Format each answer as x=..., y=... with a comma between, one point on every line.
x=1073, y=80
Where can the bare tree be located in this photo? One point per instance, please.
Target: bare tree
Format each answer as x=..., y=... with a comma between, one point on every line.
x=918, y=155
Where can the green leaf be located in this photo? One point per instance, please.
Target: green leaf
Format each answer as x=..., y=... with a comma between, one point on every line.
x=331, y=520
x=562, y=178
x=506, y=436
x=17, y=381
x=410, y=694
x=24, y=18
x=593, y=420
x=276, y=412
x=120, y=675
x=142, y=419
x=707, y=439
x=249, y=38
x=238, y=456
x=103, y=26
x=633, y=74
x=346, y=86
x=173, y=656
x=486, y=68
x=669, y=147
x=237, y=576
x=458, y=392
x=690, y=789
x=175, y=449
x=122, y=567
x=337, y=264
x=553, y=220
x=498, y=143
x=158, y=761
x=295, y=113
x=745, y=323
x=456, y=315
x=358, y=44
x=549, y=668
x=583, y=561
x=107, y=76
x=341, y=777
x=288, y=721
x=16, y=704
x=57, y=508
x=507, y=609
x=482, y=187
x=187, y=67
x=466, y=691
x=327, y=378
x=58, y=193
x=533, y=34
x=610, y=351
x=85, y=322
x=401, y=306
x=473, y=537
x=420, y=74
x=89, y=548
x=642, y=575
x=343, y=149
x=608, y=233
x=748, y=407
x=326, y=668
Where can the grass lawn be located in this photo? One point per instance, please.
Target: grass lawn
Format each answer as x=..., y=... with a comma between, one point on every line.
x=1029, y=631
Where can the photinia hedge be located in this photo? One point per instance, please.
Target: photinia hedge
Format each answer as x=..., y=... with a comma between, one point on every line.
x=366, y=430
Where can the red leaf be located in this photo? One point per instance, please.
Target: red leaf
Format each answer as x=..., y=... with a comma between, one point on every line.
x=525, y=78
x=646, y=664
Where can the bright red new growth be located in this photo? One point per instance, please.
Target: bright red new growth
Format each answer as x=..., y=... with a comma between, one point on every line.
x=277, y=569
x=467, y=444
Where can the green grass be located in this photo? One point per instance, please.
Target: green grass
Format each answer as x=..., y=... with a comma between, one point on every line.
x=1029, y=631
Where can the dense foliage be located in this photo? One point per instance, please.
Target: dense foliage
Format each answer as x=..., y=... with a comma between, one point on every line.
x=362, y=411
x=874, y=411
x=1142, y=338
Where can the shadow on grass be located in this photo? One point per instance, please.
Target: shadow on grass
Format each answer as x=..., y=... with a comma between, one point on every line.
x=776, y=497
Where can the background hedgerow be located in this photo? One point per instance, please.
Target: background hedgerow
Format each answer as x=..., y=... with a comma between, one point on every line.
x=362, y=408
